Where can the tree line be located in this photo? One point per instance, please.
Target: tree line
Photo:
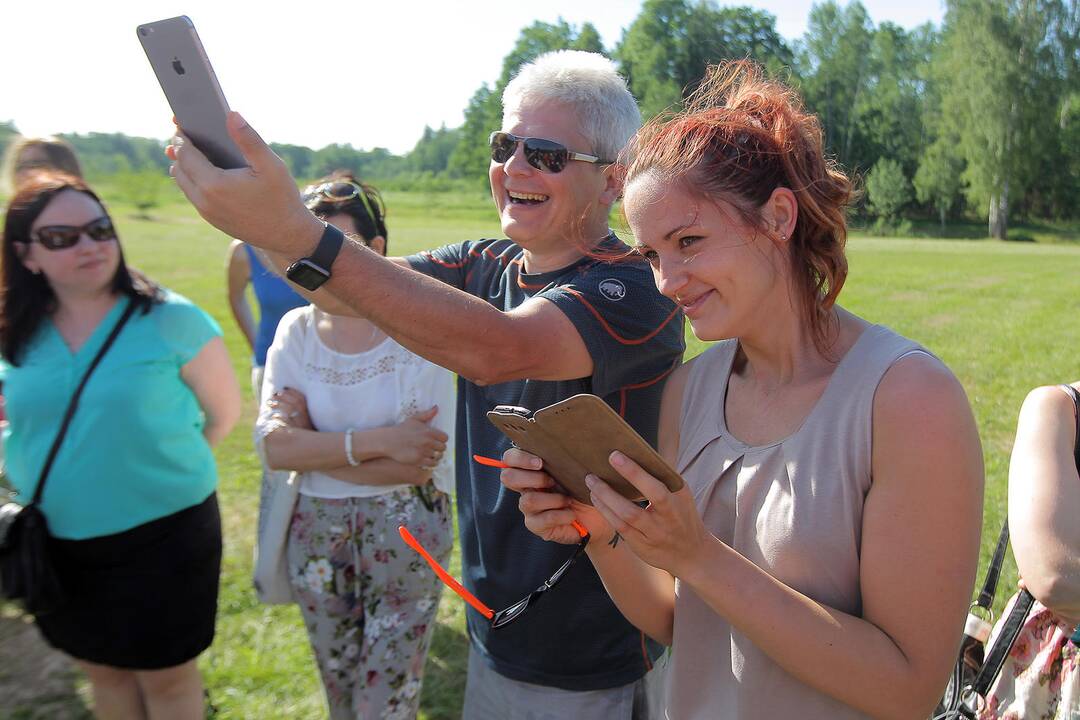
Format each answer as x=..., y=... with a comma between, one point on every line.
x=977, y=117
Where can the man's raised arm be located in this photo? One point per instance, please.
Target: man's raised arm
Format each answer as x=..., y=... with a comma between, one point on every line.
x=260, y=205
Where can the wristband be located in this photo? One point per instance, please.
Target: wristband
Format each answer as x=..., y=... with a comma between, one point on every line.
x=311, y=272
x=348, y=449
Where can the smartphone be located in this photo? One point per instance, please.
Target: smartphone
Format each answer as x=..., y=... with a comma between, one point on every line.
x=184, y=72
x=575, y=437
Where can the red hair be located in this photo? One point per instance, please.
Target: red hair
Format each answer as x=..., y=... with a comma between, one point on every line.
x=739, y=138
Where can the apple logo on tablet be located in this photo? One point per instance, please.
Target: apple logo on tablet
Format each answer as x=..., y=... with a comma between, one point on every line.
x=177, y=66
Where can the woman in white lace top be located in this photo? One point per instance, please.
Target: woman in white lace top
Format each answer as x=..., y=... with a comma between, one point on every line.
x=366, y=422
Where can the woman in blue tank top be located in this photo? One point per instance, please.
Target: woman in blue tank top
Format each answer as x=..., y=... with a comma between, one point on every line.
x=273, y=295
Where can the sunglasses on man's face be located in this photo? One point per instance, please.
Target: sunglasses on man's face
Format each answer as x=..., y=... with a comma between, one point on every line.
x=61, y=237
x=546, y=155
x=509, y=614
x=340, y=191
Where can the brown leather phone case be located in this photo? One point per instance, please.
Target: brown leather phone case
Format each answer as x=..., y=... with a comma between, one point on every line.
x=575, y=437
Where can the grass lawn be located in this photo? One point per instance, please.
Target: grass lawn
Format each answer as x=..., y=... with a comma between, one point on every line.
x=997, y=313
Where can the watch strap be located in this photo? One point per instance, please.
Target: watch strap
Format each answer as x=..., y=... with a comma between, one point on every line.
x=328, y=248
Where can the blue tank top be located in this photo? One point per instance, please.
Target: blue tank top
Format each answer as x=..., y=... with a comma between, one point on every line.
x=275, y=298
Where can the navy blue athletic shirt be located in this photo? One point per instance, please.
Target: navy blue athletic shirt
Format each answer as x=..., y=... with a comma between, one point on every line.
x=573, y=638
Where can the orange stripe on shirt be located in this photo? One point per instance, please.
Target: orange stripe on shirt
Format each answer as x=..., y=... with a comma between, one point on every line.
x=437, y=261
x=472, y=253
x=487, y=251
x=611, y=331
x=652, y=381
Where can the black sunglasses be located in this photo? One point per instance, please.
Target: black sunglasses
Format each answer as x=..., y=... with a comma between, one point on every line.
x=61, y=237
x=510, y=613
x=546, y=155
x=513, y=612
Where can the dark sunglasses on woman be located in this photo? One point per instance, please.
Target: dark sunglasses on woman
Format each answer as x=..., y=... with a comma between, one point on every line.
x=61, y=237
x=545, y=155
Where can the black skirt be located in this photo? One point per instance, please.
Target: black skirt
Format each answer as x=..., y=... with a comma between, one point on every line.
x=143, y=599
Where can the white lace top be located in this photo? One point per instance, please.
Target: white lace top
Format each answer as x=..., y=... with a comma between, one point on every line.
x=379, y=387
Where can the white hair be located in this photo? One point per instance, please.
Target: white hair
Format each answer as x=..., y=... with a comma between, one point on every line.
x=589, y=83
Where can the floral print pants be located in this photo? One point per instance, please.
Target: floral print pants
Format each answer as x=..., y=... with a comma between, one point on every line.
x=368, y=600
x=1040, y=679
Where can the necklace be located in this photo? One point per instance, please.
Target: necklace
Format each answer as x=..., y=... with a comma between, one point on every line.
x=368, y=343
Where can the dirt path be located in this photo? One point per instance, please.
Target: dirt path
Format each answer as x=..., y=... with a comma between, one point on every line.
x=36, y=682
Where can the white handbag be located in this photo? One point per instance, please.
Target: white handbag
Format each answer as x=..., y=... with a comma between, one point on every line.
x=277, y=501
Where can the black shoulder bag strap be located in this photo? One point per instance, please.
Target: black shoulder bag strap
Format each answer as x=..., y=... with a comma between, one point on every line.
x=1024, y=600
x=993, y=573
x=74, y=402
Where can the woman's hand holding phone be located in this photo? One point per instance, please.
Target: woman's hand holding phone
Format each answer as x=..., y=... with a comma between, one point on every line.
x=549, y=513
x=668, y=533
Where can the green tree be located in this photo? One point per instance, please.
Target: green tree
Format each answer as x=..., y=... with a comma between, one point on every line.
x=297, y=158
x=653, y=55
x=588, y=39
x=105, y=154
x=732, y=33
x=142, y=188
x=665, y=51
x=470, y=157
x=890, y=109
x=432, y=151
x=937, y=181
x=7, y=134
x=832, y=64
x=888, y=190
x=1004, y=66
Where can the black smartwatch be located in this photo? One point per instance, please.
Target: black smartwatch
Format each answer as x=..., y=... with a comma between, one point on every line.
x=312, y=271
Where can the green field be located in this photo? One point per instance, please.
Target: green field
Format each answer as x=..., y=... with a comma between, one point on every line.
x=999, y=314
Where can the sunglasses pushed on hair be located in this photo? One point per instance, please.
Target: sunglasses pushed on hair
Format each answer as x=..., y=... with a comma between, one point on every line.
x=545, y=155
x=337, y=191
x=61, y=237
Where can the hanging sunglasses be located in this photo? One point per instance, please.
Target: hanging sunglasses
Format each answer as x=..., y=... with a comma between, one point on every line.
x=62, y=237
x=546, y=155
x=339, y=191
x=509, y=614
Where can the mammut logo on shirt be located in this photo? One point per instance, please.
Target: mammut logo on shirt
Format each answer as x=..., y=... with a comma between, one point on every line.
x=612, y=289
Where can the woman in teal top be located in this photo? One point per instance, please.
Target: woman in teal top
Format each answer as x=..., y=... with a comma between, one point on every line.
x=130, y=499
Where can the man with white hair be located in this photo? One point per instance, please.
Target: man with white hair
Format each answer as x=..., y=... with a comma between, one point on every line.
x=556, y=310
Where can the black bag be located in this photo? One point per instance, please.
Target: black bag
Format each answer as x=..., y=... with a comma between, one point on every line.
x=975, y=669
x=26, y=571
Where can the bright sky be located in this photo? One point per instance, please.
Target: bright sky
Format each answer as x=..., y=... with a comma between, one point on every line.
x=308, y=73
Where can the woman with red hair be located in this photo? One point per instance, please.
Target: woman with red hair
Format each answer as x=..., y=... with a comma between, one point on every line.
x=820, y=558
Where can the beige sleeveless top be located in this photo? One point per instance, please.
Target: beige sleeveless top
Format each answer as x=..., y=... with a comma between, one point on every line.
x=794, y=508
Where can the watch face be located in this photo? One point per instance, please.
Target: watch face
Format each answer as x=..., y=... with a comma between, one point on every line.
x=307, y=274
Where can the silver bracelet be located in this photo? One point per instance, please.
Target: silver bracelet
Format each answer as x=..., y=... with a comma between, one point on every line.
x=348, y=449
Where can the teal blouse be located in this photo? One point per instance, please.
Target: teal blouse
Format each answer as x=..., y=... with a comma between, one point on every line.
x=135, y=451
